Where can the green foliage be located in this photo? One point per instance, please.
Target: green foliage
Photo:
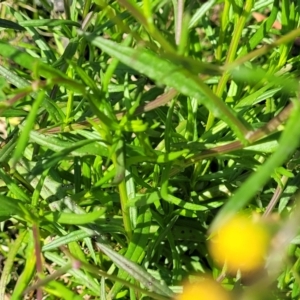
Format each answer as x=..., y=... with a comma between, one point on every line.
x=133, y=128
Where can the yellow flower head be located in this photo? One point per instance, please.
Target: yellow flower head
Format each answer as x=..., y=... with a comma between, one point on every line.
x=204, y=289
x=241, y=243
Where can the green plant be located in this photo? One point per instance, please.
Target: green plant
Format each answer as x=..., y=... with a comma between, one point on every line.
x=133, y=128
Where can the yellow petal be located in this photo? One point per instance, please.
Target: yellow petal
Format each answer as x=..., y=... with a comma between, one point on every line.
x=205, y=289
x=241, y=243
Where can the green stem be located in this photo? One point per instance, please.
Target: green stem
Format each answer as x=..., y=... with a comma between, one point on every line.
x=224, y=24
x=265, y=49
x=125, y=209
x=70, y=101
x=118, y=159
x=86, y=8
x=231, y=54
x=9, y=262
x=148, y=24
x=67, y=9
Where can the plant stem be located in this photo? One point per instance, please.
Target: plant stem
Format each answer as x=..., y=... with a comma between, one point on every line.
x=125, y=209
x=231, y=54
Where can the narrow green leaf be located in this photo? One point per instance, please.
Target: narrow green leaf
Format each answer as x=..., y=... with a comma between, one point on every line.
x=34, y=64
x=9, y=206
x=288, y=142
x=136, y=248
x=48, y=23
x=80, y=148
x=136, y=271
x=61, y=290
x=22, y=58
x=13, y=78
x=39, y=40
x=144, y=199
x=76, y=219
x=29, y=124
x=13, y=187
x=168, y=73
x=41, y=166
x=160, y=234
x=120, y=162
x=66, y=239
x=11, y=25
x=69, y=52
x=28, y=270
x=9, y=262
x=201, y=11
x=7, y=150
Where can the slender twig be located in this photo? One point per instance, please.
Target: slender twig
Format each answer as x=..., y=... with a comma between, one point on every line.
x=271, y=126
x=276, y=196
x=221, y=277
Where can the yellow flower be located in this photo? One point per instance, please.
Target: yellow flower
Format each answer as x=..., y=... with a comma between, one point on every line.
x=241, y=243
x=204, y=289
